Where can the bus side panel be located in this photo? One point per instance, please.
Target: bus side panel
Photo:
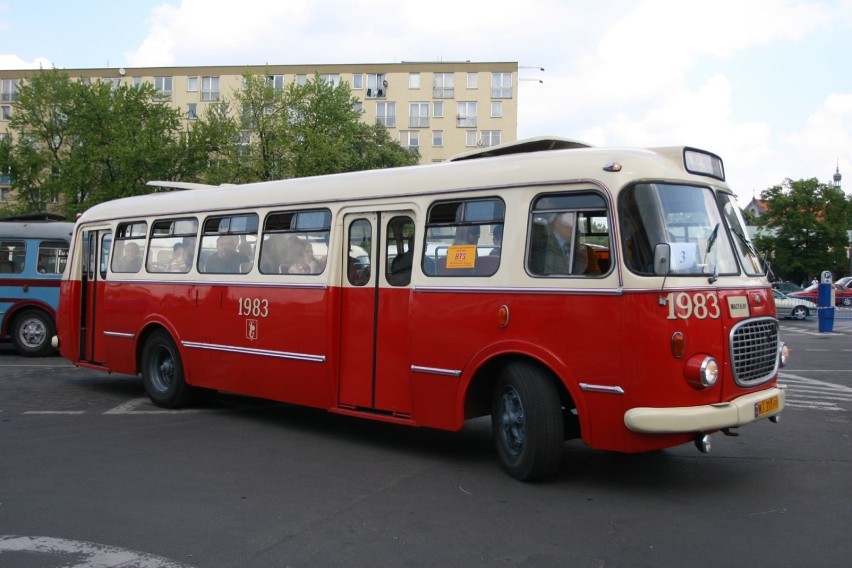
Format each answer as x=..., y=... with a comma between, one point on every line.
x=258, y=341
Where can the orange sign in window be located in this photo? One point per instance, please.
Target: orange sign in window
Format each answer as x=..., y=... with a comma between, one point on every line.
x=461, y=256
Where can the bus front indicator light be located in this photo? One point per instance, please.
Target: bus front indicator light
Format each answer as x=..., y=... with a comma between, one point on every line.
x=783, y=354
x=702, y=371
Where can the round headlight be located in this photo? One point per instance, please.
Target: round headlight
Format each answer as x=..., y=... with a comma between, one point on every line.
x=702, y=371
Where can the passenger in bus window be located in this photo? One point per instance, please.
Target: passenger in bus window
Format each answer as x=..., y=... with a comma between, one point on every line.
x=178, y=261
x=227, y=259
x=131, y=260
x=301, y=257
x=497, y=239
x=466, y=235
x=272, y=254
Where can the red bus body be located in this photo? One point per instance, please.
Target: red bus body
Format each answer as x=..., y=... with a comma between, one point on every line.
x=623, y=349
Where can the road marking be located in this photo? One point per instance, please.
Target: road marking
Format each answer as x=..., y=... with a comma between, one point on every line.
x=55, y=412
x=130, y=407
x=803, y=392
x=80, y=554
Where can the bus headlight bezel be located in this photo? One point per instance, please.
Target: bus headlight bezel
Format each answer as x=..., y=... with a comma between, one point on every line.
x=702, y=371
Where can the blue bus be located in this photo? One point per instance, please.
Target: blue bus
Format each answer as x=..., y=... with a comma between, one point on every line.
x=33, y=255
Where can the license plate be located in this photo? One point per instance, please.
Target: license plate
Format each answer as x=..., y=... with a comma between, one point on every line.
x=764, y=407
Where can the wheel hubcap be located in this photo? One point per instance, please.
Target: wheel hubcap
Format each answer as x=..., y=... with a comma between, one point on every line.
x=164, y=370
x=512, y=423
x=32, y=333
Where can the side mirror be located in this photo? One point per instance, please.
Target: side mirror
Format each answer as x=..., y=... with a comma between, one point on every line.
x=662, y=259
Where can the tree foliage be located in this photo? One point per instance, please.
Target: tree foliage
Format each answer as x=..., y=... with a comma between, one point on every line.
x=300, y=130
x=804, y=229
x=79, y=144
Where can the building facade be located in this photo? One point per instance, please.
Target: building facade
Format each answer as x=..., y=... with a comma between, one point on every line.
x=440, y=108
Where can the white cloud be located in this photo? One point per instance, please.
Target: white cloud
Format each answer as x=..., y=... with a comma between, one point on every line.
x=10, y=61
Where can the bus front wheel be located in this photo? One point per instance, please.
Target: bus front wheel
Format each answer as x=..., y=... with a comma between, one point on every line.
x=527, y=423
x=32, y=332
x=162, y=372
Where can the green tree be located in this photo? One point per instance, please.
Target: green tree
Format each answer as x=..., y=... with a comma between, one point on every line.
x=301, y=130
x=87, y=143
x=804, y=229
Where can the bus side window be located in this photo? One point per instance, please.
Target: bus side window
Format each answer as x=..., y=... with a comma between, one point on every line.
x=400, y=251
x=569, y=235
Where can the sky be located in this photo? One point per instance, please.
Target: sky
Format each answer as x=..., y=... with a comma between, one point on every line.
x=766, y=84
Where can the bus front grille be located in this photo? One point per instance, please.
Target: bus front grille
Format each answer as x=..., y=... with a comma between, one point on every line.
x=754, y=351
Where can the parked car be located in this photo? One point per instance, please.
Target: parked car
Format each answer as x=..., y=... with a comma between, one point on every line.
x=786, y=287
x=788, y=307
x=846, y=282
x=842, y=295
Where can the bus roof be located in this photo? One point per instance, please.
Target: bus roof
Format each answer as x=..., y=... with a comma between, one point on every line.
x=36, y=230
x=507, y=169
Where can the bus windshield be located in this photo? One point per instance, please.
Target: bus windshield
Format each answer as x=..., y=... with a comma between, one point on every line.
x=683, y=217
x=749, y=258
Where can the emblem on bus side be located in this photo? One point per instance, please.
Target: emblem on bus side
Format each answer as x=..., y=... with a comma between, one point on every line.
x=251, y=329
x=738, y=306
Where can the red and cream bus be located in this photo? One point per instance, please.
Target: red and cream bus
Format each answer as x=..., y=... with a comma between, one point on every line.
x=569, y=291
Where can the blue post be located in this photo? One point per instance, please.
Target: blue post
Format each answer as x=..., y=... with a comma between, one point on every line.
x=825, y=305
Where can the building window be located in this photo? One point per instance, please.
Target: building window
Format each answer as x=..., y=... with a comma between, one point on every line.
x=418, y=115
x=301, y=79
x=113, y=82
x=473, y=80
x=5, y=112
x=438, y=109
x=466, y=114
x=5, y=194
x=501, y=85
x=358, y=107
x=437, y=138
x=409, y=138
x=443, y=86
x=210, y=88
x=332, y=79
x=386, y=114
x=8, y=90
x=275, y=81
x=377, y=85
x=470, y=138
x=192, y=84
x=496, y=109
x=489, y=138
x=358, y=81
x=164, y=88
x=136, y=81
x=414, y=80
x=192, y=111
x=244, y=143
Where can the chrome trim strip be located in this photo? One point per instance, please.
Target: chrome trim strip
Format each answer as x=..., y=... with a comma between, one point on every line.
x=435, y=371
x=119, y=334
x=250, y=351
x=238, y=284
x=601, y=388
x=519, y=290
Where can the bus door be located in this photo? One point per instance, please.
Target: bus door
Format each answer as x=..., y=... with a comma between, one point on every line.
x=375, y=294
x=96, y=247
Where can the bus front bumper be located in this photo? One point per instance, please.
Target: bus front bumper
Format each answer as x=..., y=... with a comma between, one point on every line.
x=707, y=418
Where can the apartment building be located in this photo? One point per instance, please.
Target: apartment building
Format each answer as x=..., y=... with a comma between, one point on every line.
x=440, y=108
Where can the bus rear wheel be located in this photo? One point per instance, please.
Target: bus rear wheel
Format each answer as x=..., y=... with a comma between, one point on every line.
x=162, y=372
x=32, y=332
x=527, y=423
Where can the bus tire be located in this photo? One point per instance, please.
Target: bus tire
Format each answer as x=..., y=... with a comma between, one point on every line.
x=527, y=423
x=32, y=331
x=162, y=372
